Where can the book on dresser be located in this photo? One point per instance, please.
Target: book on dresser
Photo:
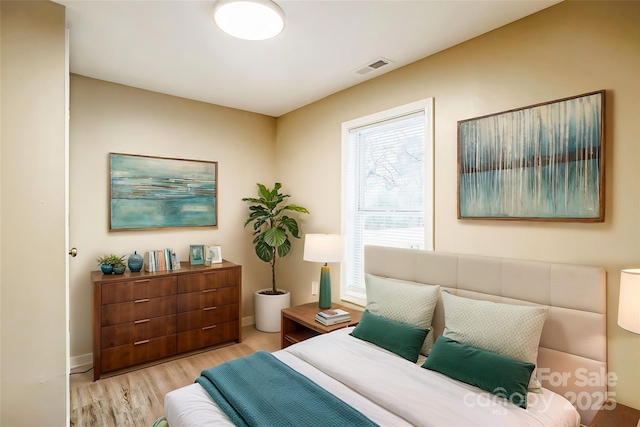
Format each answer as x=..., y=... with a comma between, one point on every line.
x=333, y=316
x=161, y=260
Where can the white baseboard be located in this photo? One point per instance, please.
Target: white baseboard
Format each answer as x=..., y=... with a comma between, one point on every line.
x=82, y=360
x=87, y=359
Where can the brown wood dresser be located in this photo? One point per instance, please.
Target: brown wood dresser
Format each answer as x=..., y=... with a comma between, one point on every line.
x=143, y=317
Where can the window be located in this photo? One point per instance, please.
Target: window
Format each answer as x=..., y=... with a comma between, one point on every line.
x=387, y=186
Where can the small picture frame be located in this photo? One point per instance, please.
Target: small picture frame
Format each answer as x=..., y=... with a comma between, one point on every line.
x=213, y=254
x=196, y=255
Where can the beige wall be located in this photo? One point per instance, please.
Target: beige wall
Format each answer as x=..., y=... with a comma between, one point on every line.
x=566, y=50
x=33, y=370
x=107, y=117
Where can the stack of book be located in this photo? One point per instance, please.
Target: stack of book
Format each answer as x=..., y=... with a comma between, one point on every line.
x=161, y=260
x=333, y=316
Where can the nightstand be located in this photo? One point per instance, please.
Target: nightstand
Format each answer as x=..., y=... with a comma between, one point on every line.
x=299, y=324
x=620, y=416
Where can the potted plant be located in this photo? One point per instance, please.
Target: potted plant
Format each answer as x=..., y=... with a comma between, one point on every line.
x=112, y=264
x=272, y=228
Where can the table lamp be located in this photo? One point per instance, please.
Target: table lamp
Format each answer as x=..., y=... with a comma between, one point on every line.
x=629, y=301
x=324, y=248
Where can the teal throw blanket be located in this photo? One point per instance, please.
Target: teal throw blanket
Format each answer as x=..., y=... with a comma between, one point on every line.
x=260, y=390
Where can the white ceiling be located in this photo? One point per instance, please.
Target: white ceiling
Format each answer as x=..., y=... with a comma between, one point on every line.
x=174, y=47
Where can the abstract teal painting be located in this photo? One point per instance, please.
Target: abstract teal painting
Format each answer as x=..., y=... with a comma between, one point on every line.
x=543, y=162
x=158, y=192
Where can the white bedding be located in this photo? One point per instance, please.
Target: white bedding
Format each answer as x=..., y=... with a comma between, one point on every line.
x=388, y=389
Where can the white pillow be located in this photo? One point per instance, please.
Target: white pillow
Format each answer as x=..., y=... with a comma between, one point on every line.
x=403, y=302
x=507, y=329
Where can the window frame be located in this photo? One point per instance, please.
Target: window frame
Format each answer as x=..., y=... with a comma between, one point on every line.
x=426, y=106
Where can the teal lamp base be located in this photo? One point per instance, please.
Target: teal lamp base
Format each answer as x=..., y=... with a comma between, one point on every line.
x=325, y=287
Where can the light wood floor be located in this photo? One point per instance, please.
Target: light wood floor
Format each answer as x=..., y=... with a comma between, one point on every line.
x=136, y=398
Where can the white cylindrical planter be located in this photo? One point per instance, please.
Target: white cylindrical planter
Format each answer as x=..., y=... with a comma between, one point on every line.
x=268, y=308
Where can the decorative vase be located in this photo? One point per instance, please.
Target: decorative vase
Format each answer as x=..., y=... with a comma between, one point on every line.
x=119, y=269
x=106, y=268
x=325, y=288
x=135, y=262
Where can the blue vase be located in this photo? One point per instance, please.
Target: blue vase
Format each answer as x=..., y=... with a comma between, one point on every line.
x=135, y=262
x=119, y=269
x=106, y=268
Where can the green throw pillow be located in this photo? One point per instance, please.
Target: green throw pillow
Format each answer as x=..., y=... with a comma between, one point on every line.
x=400, y=338
x=493, y=372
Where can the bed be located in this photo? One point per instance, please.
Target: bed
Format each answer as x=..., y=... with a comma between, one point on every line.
x=567, y=302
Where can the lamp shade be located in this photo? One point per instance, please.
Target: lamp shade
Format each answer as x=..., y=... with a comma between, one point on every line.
x=629, y=302
x=324, y=248
x=249, y=19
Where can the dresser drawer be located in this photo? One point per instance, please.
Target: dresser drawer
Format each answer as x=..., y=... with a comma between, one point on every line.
x=209, y=280
x=138, y=289
x=138, y=352
x=207, y=336
x=145, y=308
x=207, y=316
x=207, y=298
x=128, y=333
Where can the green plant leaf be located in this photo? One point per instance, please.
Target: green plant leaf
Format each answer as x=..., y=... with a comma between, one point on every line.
x=264, y=251
x=291, y=224
x=250, y=219
x=258, y=215
x=275, y=237
x=264, y=192
x=273, y=202
x=296, y=208
x=258, y=224
x=252, y=200
x=284, y=248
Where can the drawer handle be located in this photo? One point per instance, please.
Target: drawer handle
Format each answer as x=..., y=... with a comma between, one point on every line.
x=210, y=290
x=141, y=321
x=209, y=308
x=141, y=300
x=142, y=281
x=209, y=327
x=140, y=342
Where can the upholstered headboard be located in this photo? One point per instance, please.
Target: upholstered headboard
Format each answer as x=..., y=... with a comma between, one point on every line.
x=572, y=357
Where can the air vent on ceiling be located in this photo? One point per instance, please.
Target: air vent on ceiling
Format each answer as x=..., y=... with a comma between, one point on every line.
x=373, y=65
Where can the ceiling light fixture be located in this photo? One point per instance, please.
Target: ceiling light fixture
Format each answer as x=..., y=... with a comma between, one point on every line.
x=249, y=19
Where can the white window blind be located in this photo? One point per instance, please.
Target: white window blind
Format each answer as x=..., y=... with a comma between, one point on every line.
x=386, y=186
